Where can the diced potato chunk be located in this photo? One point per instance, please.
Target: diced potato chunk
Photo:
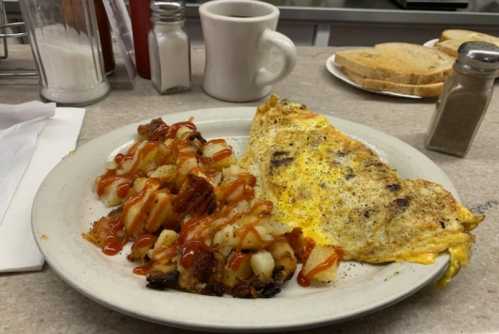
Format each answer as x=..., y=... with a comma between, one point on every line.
x=166, y=238
x=111, y=196
x=238, y=268
x=284, y=258
x=225, y=237
x=262, y=264
x=161, y=213
x=326, y=258
x=165, y=173
x=251, y=240
x=139, y=184
x=183, y=132
x=210, y=149
x=263, y=231
x=134, y=208
x=277, y=228
x=231, y=173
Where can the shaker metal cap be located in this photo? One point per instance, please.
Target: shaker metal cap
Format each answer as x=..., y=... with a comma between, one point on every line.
x=479, y=55
x=167, y=11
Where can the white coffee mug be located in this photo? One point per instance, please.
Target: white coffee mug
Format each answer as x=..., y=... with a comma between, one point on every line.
x=238, y=35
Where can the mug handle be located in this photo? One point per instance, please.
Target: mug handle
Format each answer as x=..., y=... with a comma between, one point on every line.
x=264, y=77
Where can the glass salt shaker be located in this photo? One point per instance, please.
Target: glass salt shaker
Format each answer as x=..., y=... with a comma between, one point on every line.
x=169, y=48
x=465, y=98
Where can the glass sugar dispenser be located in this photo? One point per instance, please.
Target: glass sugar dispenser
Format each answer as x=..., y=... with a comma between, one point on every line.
x=64, y=37
x=464, y=100
x=169, y=48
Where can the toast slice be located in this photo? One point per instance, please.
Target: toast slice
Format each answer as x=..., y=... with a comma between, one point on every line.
x=467, y=35
x=427, y=90
x=401, y=63
x=451, y=40
x=450, y=46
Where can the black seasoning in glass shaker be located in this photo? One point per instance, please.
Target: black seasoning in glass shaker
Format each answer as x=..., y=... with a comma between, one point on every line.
x=465, y=98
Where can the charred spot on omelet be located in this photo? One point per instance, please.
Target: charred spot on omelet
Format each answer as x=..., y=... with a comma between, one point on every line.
x=340, y=192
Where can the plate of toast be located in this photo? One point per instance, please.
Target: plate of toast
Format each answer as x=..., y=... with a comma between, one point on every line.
x=403, y=69
x=396, y=69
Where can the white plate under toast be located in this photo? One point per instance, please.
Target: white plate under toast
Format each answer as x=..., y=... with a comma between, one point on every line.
x=431, y=43
x=66, y=206
x=335, y=70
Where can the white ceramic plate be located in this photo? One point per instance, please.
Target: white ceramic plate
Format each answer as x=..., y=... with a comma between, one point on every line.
x=335, y=70
x=65, y=207
x=431, y=43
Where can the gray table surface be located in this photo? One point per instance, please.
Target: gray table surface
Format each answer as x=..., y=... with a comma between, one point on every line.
x=41, y=302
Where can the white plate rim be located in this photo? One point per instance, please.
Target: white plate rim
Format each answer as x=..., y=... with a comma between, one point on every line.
x=335, y=70
x=53, y=255
x=431, y=43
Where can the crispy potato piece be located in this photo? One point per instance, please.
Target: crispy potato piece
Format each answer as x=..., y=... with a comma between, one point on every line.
x=320, y=266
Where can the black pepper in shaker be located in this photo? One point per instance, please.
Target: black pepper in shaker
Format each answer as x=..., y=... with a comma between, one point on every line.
x=465, y=98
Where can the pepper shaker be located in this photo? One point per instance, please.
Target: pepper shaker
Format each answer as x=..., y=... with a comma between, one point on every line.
x=169, y=48
x=464, y=100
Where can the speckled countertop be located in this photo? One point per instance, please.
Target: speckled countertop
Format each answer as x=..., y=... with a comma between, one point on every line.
x=41, y=302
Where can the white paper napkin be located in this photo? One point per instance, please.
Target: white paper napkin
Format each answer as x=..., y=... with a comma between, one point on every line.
x=18, y=250
x=20, y=126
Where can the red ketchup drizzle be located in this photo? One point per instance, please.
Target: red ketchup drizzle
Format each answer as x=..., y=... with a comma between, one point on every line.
x=220, y=155
x=159, y=132
x=155, y=218
x=307, y=248
x=119, y=158
x=247, y=182
x=237, y=259
x=146, y=149
x=247, y=229
x=216, y=141
x=134, y=226
x=105, y=181
x=112, y=246
x=302, y=246
x=165, y=253
x=192, y=226
x=144, y=241
x=142, y=270
x=123, y=190
x=116, y=227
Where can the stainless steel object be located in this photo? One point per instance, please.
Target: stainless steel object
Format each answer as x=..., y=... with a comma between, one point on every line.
x=66, y=46
x=465, y=98
x=4, y=36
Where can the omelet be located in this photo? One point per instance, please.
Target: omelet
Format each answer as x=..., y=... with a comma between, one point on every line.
x=339, y=192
